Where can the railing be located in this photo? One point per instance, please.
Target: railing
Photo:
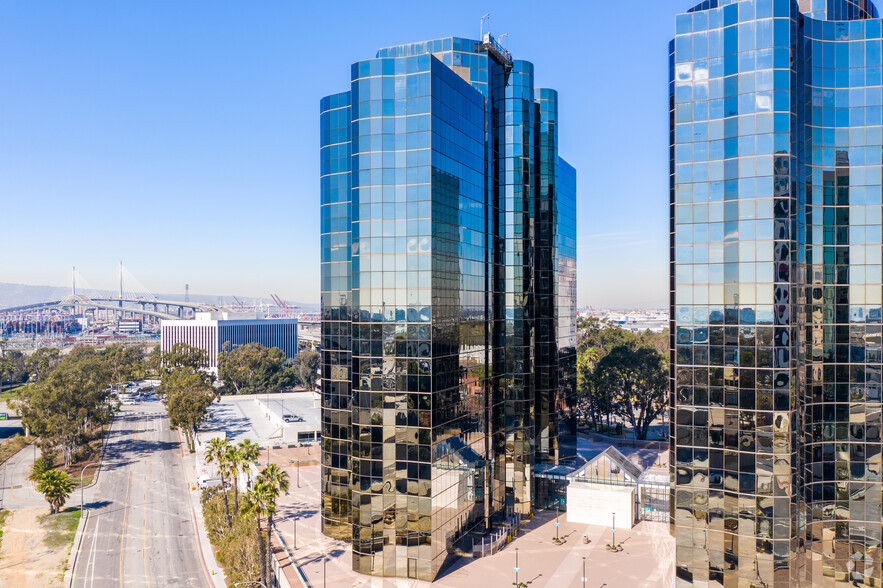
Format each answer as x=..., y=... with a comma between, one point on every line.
x=492, y=544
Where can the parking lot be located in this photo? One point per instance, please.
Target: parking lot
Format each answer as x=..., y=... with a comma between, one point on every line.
x=261, y=417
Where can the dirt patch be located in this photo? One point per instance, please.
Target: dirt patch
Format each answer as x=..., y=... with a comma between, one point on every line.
x=25, y=558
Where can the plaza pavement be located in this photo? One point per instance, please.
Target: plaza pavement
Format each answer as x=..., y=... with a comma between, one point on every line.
x=647, y=559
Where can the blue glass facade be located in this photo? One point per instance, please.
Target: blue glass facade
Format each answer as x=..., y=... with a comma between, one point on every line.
x=776, y=122
x=448, y=299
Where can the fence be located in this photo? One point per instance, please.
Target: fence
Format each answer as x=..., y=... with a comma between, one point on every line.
x=491, y=544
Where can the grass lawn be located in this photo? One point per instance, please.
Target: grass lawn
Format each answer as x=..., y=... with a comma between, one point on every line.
x=3, y=515
x=11, y=393
x=60, y=528
x=11, y=446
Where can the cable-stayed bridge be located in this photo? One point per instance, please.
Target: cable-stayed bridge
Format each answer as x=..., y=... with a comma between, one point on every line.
x=132, y=298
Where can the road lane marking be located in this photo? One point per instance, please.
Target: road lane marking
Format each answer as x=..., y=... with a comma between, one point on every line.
x=126, y=511
x=144, y=524
x=91, y=559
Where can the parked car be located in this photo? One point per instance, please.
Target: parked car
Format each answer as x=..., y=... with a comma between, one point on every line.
x=204, y=482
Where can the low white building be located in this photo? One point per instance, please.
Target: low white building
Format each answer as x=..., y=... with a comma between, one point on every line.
x=209, y=331
x=603, y=488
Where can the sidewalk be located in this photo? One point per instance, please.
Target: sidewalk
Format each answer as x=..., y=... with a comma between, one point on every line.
x=214, y=571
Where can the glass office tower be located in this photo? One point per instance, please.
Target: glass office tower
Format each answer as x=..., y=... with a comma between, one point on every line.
x=776, y=135
x=448, y=299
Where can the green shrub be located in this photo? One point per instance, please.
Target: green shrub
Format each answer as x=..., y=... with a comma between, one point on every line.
x=237, y=545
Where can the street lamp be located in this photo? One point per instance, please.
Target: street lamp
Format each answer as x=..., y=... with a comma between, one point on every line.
x=516, y=567
x=584, y=572
x=557, y=539
x=614, y=530
x=324, y=570
x=82, y=490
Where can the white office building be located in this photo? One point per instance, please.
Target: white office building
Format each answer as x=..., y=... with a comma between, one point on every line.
x=209, y=331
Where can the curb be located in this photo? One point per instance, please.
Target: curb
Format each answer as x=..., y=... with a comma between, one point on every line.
x=16, y=453
x=101, y=457
x=75, y=550
x=297, y=569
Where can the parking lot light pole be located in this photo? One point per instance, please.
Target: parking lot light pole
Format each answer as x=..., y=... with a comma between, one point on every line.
x=614, y=530
x=557, y=538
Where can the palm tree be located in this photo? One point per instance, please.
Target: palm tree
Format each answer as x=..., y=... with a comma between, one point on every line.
x=275, y=482
x=235, y=464
x=217, y=453
x=256, y=501
x=249, y=450
x=55, y=486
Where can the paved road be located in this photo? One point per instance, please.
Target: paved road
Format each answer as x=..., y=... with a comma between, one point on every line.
x=140, y=527
x=16, y=491
x=12, y=424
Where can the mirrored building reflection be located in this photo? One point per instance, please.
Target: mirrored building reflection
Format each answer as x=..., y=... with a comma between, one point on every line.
x=448, y=300
x=776, y=155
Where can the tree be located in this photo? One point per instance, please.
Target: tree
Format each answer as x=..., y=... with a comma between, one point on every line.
x=218, y=452
x=182, y=355
x=41, y=361
x=123, y=362
x=237, y=546
x=586, y=391
x=307, y=364
x=68, y=401
x=275, y=482
x=235, y=464
x=40, y=467
x=12, y=367
x=249, y=450
x=253, y=369
x=636, y=381
x=55, y=486
x=257, y=503
x=187, y=394
x=153, y=361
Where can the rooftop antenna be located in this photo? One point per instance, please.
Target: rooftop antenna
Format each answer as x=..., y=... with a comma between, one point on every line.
x=484, y=18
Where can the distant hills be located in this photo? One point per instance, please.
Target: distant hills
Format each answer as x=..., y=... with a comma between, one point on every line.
x=23, y=294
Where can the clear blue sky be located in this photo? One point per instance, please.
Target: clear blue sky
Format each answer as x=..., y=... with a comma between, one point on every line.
x=182, y=137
